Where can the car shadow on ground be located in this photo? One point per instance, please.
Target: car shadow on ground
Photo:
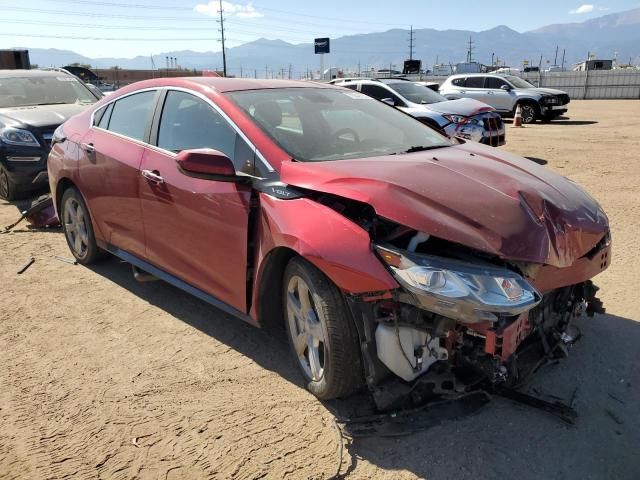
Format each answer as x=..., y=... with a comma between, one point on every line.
x=269, y=349
x=557, y=121
x=502, y=439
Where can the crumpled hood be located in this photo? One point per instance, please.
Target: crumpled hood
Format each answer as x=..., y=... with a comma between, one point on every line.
x=41, y=115
x=469, y=194
x=543, y=91
x=464, y=106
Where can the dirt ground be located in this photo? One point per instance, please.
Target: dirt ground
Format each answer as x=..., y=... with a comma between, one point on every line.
x=103, y=377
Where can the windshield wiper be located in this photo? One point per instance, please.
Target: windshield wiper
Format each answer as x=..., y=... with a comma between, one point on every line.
x=422, y=148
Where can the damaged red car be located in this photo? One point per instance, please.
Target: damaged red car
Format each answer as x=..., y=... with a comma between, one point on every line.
x=392, y=255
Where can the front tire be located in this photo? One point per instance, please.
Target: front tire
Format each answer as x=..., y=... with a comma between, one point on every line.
x=322, y=336
x=529, y=112
x=7, y=187
x=77, y=227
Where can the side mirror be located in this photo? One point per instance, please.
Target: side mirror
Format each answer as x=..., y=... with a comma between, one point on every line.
x=389, y=101
x=206, y=164
x=506, y=88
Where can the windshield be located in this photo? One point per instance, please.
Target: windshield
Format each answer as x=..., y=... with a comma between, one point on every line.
x=316, y=124
x=42, y=90
x=416, y=93
x=518, y=82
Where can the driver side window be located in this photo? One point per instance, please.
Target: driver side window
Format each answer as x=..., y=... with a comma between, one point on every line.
x=380, y=93
x=188, y=122
x=494, y=83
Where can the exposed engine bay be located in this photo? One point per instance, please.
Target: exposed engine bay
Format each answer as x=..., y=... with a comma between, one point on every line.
x=463, y=320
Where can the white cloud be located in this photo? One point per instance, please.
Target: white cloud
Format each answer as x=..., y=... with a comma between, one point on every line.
x=586, y=8
x=231, y=9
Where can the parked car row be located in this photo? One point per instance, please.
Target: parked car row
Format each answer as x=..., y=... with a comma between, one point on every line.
x=505, y=93
x=33, y=103
x=391, y=254
x=468, y=119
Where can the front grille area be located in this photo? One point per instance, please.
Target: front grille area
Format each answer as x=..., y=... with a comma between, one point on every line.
x=495, y=129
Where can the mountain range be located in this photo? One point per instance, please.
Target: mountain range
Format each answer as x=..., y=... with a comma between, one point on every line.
x=614, y=34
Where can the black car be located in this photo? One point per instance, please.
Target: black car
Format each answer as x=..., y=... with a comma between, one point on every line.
x=33, y=103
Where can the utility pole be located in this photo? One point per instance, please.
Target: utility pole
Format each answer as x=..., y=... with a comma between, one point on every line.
x=470, y=51
x=224, y=55
x=563, y=50
x=266, y=71
x=167, y=60
x=411, y=42
x=241, y=76
x=555, y=60
x=289, y=71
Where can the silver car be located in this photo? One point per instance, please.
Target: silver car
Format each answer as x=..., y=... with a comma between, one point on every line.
x=466, y=119
x=505, y=93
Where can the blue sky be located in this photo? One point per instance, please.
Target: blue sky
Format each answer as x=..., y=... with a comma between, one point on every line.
x=126, y=28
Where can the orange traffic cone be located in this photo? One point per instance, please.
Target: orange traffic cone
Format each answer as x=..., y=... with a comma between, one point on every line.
x=517, y=119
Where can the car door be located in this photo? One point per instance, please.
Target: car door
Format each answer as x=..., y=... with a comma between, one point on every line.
x=111, y=153
x=501, y=100
x=474, y=88
x=196, y=229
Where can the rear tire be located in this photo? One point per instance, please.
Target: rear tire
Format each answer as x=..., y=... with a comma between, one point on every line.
x=321, y=332
x=7, y=187
x=77, y=228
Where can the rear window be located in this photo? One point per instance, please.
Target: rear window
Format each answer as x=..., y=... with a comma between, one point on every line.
x=131, y=115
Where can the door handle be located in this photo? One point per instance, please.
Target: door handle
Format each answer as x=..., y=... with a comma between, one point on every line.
x=88, y=147
x=489, y=93
x=463, y=91
x=153, y=176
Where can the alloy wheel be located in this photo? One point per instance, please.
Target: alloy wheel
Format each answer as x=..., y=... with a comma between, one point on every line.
x=528, y=114
x=75, y=227
x=306, y=328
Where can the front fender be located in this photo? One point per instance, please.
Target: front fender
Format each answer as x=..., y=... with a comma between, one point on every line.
x=333, y=243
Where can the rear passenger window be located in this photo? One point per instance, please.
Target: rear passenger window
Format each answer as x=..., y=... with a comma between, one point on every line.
x=130, y=115
x=474, y=82
x=493, y=82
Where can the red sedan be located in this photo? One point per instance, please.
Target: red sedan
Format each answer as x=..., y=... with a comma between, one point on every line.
x=385, y=249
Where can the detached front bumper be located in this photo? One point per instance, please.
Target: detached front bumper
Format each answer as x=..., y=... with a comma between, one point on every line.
x=486, y=128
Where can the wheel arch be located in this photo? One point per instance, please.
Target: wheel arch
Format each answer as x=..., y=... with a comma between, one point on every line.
x=64, y=183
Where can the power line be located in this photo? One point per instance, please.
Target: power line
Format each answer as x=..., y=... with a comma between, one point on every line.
x=126, y=5
x=78, y=37
x=100, y=15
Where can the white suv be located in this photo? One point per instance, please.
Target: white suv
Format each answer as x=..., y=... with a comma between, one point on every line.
x=467, y=119
x=505, y=93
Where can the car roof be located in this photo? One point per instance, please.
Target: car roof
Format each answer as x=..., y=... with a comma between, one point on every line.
x=222, y=84
x=499, y=74
x=29, y=73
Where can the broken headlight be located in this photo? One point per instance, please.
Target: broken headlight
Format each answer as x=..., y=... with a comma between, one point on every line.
x=463, y=291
